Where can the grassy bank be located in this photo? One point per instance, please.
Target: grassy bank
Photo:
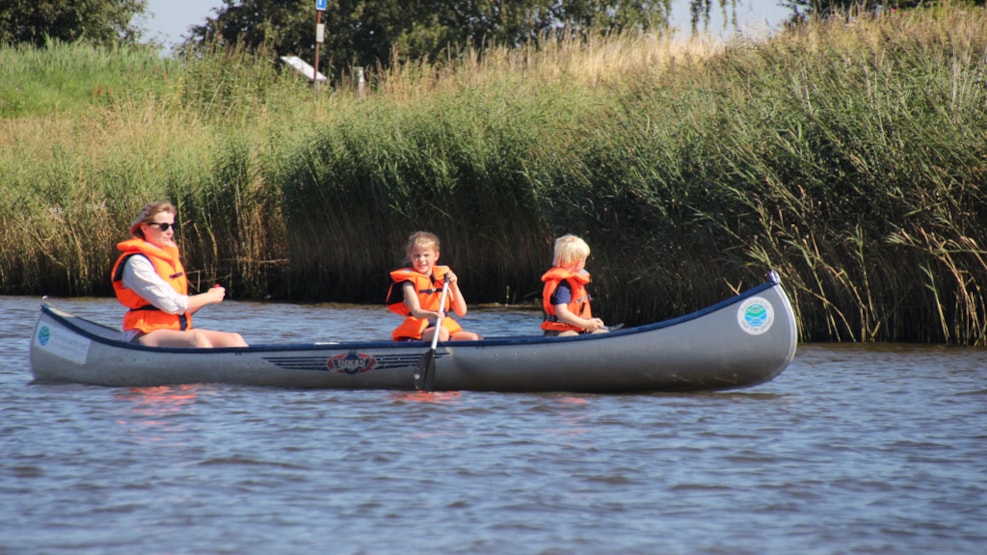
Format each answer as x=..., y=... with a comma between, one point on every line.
x=850, y=156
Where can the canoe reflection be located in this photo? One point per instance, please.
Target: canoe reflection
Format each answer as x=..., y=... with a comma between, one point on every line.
x=152, y=409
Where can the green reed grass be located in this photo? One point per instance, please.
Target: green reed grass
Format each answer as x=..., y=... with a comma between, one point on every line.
x=848, y=155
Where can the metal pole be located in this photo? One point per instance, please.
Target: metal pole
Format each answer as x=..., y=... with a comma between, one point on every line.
x=315, y=69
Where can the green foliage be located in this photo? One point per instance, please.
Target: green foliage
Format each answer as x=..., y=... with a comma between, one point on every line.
x=285, y=27
x=100, y=22
x=389, y=170
x=231, y=85
x=825, y=8
x=72, y=77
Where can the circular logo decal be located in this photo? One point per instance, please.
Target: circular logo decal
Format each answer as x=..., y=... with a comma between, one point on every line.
x=351, y=363
x=755, y=315
x=44, y=334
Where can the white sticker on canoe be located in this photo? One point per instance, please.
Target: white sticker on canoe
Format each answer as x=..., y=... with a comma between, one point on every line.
x=755, y=315
x=63, y=344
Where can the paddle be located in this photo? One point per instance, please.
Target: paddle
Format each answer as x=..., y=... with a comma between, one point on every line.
x=425, y=371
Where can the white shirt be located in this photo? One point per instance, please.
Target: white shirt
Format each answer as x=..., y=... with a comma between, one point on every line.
x=140, y=277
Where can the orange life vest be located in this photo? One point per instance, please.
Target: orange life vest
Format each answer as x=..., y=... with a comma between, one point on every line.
x=579, y=305
x=143, y=315
x=429, y=290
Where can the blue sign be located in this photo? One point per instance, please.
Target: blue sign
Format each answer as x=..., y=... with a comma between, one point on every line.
x=320, y=5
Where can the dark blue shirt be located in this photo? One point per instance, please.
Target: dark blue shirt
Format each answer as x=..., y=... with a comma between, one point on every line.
x=562, y=294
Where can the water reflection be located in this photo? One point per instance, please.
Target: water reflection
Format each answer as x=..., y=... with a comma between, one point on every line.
x=151, y=412
x=436, y=397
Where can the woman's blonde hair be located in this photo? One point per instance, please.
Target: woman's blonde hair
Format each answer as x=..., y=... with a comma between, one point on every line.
x=569, y=250
x=147, y=215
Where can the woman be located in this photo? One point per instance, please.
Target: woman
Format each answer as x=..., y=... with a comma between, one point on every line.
x=149, y=279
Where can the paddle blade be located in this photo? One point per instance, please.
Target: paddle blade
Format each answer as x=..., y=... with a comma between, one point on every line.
x=425, y=372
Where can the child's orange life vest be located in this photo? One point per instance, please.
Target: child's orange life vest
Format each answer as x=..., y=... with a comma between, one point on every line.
x=579, y=305
x=429, y=291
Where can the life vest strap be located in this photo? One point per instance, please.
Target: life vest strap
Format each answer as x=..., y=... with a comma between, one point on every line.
x=182, y=318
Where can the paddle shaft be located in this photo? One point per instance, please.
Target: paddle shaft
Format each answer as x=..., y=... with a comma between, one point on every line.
x=425, y=372
x=442, y=309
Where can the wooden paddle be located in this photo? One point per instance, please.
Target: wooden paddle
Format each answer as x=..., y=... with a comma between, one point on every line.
x=425, y=371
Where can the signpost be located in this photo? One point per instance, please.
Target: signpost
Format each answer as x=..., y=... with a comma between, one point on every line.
x=320, y=6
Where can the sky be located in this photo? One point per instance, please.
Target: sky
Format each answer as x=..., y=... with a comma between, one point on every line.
x=168, y=20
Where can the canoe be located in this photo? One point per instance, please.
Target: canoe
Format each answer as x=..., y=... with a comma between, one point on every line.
x=742, y=341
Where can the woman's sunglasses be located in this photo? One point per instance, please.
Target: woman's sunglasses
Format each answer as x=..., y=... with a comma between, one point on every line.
x=164, y=226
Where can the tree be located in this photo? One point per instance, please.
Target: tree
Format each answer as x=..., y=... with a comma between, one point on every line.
x=699, y=10
x=824, y=8
x=367, y=32
x=285, y=26
x=102, y=22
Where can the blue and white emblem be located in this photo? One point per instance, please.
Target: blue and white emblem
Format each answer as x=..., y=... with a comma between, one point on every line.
x=755, y=315
x=44, y=334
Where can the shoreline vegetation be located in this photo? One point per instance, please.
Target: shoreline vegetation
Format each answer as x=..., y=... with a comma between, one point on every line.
x=848, y=155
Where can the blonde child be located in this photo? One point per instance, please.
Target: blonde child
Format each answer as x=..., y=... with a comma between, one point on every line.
x=564, y=298
x=420, y=287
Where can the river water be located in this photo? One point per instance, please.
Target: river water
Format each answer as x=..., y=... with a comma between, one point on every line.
x=853, y=449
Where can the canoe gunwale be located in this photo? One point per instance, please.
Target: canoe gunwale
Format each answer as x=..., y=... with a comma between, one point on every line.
x=68, y=320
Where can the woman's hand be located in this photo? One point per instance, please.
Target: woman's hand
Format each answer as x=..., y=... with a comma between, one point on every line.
x=216, y=294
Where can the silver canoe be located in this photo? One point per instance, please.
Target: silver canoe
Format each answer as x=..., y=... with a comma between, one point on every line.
x=742, y=341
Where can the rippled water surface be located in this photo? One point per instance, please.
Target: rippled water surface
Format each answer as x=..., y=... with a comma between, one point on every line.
x=876, y=449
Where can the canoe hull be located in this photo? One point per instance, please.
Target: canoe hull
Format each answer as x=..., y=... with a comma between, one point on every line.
x=743, y=341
